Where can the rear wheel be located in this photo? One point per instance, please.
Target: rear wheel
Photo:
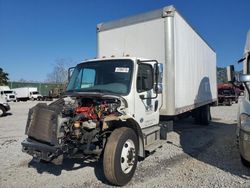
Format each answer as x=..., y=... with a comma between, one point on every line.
x=202, y=115
x=205, y=115
x=120, y=156
x=2, y=111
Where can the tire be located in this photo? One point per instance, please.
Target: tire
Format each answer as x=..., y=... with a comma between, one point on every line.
x=229, y=102
x=2, y=111
x=120, y=156
x=202, y=115
x=245, y=162
x=197, y=116
x=205, y=115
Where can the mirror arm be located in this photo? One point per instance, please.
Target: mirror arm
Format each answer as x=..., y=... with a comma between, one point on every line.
x=69, y=72
x=248, y=90
x=143, y=98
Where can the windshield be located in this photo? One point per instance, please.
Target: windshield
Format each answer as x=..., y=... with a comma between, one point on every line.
x=110, y=76
x=226, y=91
x=35, y=92
x=8, y=92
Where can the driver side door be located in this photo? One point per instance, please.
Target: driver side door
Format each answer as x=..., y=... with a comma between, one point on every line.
x=146, y=100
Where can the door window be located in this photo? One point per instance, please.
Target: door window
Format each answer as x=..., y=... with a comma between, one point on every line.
x=144, y=78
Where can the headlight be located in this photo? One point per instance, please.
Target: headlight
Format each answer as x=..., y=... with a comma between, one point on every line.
x=245, y=122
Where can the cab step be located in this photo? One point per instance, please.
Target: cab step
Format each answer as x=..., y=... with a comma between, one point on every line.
x=155, y=136
x=152, y=147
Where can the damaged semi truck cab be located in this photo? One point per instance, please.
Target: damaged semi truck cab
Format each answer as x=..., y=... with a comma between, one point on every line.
x=148, y=66
x=110, y=99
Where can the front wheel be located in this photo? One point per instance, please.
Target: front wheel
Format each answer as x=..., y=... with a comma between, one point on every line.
x=120, y=156
x=2, y=111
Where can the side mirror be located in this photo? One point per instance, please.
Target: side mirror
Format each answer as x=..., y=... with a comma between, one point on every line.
x=158, y=72
x=70, y=71
x=230, y=73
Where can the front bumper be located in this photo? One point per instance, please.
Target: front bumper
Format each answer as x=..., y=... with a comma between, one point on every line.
x=40, y=151
x=244, y=144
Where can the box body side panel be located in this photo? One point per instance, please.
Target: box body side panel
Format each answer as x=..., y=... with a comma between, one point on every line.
x=195, y=67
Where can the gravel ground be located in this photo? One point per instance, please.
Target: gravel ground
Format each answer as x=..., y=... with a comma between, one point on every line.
x=193, y=156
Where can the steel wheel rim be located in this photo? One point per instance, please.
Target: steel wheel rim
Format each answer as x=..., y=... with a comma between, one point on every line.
x=127, y=156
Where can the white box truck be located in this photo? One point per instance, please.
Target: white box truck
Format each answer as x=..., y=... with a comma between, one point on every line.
x=149, y=66
x=6, y=92
x=27, y=93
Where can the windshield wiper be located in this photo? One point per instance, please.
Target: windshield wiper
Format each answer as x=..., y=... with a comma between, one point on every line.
x=99, y=90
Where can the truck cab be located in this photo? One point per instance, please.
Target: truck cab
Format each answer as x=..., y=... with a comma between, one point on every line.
x=4, y=106
x=35, y=95
x=243, y=125
x=9, y=94
x=135, y=80
x=109, y=103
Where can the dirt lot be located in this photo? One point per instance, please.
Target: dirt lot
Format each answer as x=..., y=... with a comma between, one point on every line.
x=193, y=156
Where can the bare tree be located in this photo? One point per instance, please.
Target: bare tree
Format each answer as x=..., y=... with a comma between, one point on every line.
x=59, y=73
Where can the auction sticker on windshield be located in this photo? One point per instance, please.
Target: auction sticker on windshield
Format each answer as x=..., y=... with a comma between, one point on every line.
x=122, y=69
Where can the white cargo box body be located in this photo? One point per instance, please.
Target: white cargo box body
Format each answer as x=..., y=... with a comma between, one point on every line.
x=189, y=63
x=24, y=92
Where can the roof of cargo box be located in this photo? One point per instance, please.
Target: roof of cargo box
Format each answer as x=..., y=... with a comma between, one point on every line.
x=247, y=46
x=160, y=13
x=144, y=17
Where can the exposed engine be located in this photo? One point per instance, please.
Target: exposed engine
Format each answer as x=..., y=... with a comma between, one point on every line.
x=86, y=116
x=72, y=125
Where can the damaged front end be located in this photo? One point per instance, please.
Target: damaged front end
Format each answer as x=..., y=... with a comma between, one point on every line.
x=72, y=126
